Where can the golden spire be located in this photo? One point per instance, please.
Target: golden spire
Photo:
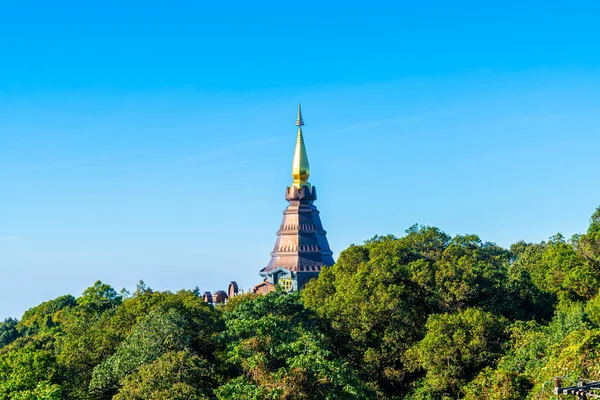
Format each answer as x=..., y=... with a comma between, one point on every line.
x=300, y=166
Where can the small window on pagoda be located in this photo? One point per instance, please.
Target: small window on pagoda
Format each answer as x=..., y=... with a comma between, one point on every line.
x=286, y=284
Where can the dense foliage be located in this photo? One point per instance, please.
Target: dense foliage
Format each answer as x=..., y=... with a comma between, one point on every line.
x=424, y=316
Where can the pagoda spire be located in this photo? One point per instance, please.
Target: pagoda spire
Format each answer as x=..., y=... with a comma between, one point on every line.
x=301, y=248
x=299, y=121
x=300, y=165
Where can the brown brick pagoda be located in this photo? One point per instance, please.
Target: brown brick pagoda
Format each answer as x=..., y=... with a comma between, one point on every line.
x=301, y=248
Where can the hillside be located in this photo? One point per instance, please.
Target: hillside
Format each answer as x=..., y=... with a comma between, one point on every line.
x=424, y=316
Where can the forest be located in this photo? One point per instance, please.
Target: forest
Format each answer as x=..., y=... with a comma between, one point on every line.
x=422, y=316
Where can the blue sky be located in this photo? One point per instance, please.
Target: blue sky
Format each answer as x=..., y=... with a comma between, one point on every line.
x=153, y=140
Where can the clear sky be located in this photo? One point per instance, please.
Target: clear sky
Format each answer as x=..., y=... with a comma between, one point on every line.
x=153, y=140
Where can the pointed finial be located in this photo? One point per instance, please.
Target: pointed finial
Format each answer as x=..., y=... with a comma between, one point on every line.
x=300, y=166
x=299, y=121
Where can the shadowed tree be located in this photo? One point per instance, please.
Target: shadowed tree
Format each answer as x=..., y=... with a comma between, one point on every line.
x=277, y=350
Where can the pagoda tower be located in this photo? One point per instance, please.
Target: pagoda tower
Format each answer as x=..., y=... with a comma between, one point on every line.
x=301, y=248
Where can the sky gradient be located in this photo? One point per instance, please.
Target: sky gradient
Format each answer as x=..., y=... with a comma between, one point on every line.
x=154, y=140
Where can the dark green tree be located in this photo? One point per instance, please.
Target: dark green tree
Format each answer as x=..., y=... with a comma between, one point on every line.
x=175, y=375
x=45, y=316
x=8, y=331
x=455, y=348
x=276, y=349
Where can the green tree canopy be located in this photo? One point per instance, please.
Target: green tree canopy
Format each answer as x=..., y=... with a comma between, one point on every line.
x=423, y=316
x=277, y=350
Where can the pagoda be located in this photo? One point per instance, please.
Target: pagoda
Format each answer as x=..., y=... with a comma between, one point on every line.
x=301, y=248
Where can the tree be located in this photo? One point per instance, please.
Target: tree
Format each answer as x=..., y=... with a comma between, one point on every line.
x=456, y=347
x=43, y=391
x=176, y=375
x=99, y=298
x=24, y=365
x=375, y=297
x=159, y=332
x=472, y=273
x=8, y=331
x=379, y=295
x=530, y=299
x=92, y=335
x=588, y=245
x=45, y=316
x=276, y=350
